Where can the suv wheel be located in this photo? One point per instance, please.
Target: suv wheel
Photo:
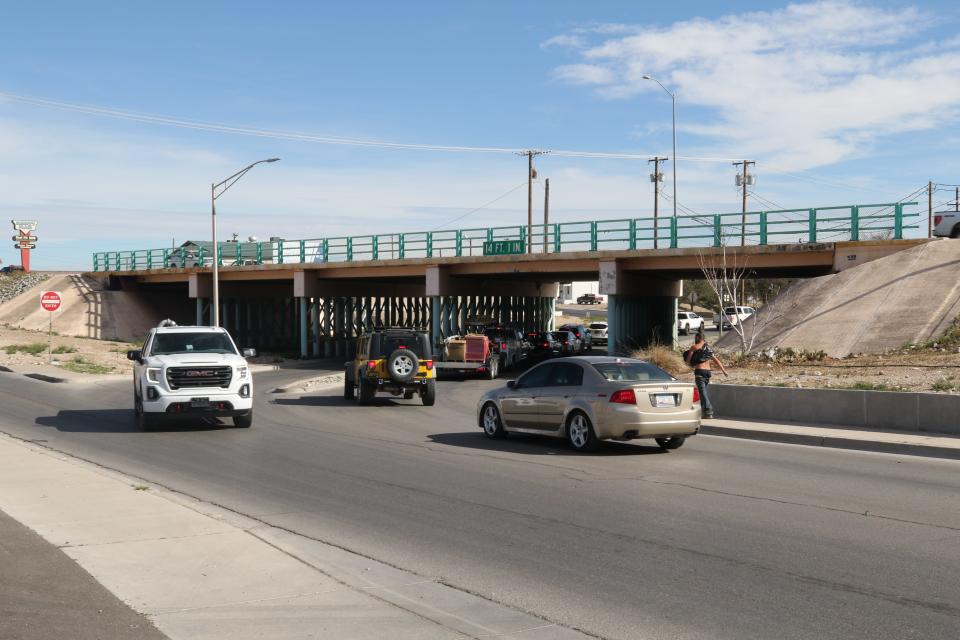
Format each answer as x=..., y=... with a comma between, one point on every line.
x=348, y=388
x=956, y=232
x=366, y=392
x=429, y=393
x=245, y=421
x=402, y=365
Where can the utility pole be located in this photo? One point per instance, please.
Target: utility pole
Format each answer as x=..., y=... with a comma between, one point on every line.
x=656, y=178
x=743, y=181
x=930, y=209
x=531, y=174
x=546, y=212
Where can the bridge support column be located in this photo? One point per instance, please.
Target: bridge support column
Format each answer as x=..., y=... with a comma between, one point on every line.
x=304, y=327
x=641, y=310
x=436, y=333
x=327, y=343
x=315, y=321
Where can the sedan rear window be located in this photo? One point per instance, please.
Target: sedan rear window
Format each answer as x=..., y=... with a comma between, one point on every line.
x=598, y=325
x=632, y=372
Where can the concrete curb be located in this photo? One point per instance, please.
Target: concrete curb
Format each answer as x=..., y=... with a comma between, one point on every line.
x=833, y=441
x=893, y=410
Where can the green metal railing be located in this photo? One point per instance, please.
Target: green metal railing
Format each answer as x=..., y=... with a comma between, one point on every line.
x=821, y=224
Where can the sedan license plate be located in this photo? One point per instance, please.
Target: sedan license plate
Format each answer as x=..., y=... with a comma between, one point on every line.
x=662, y=400
x=199, y=403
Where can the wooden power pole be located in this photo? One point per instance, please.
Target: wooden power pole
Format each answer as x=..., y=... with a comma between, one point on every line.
x=546, y=213
x=930, y=209
x=656, y=178
x=742, y=181
x=531, y=174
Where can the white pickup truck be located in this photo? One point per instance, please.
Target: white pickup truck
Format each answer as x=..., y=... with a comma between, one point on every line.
x=732, y=316
x=946, y=224
x=191, y=371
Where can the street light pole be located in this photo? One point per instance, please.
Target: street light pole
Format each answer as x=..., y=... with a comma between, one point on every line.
x=226, y=184
x=673, y=107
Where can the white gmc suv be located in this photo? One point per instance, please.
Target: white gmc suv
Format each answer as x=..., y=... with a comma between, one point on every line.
x=191, y=371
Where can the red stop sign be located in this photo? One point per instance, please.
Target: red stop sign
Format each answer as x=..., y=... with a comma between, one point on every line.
x=50, y=300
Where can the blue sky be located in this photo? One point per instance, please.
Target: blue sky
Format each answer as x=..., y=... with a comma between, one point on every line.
x=838, y=102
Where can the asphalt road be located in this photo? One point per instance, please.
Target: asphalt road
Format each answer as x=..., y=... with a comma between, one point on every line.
x=720, y=539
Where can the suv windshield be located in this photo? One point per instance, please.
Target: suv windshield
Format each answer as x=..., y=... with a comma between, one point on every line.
x=632, y=372
x=204, y=342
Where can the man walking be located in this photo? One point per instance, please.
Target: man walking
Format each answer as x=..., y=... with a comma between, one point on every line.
x=699, y=356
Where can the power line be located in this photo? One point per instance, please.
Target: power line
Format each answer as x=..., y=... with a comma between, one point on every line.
x=483, y=206
x=215, y=127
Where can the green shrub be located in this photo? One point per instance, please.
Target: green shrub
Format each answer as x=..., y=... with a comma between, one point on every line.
x=64, y=349
x=34, y=348
x=82, y=365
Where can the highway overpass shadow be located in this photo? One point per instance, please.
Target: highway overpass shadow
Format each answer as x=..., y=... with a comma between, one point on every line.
x=122, y=421
x=542, y=445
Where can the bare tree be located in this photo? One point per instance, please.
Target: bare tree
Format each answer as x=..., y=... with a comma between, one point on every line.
x=725, y=274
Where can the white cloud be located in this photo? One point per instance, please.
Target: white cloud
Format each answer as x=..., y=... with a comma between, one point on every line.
x=585, y=74
x=803, y=86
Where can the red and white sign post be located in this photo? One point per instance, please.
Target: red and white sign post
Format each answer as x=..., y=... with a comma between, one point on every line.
x=50, y=301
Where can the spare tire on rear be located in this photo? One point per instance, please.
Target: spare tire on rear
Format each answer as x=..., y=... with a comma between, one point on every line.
x=402, y=365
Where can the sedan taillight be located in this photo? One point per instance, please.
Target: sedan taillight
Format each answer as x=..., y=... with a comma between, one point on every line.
x=624, y=396
x=696, y=394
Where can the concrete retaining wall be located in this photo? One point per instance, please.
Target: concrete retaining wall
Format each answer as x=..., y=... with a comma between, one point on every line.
x=929, y=412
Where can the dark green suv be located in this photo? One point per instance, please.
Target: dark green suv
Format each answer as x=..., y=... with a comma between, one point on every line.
x=398, y=361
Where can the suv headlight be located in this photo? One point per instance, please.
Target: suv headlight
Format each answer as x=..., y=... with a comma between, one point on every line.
x=241, y=373
x=153, y=374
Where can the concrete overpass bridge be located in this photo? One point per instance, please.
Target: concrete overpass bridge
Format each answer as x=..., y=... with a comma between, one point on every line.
x=311, y=297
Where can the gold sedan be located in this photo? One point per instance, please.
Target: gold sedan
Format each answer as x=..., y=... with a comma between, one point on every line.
x=590, y=398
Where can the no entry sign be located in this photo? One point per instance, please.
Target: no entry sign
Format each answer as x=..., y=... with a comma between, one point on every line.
x=50, y=300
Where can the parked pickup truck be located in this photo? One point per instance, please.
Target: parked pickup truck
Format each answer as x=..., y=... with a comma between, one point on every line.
x=688, y=321
x=590, y=298
x=469, y=354
x=946, y=224
x=732, y=316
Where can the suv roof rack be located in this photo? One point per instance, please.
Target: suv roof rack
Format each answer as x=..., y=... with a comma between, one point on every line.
x=167, y=323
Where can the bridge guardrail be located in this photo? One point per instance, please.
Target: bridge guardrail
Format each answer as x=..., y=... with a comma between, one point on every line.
x=820, y=224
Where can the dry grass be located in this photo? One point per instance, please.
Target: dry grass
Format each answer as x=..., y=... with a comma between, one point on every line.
x=665, y=358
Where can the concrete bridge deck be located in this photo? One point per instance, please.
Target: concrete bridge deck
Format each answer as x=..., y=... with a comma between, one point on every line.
x=315, y=307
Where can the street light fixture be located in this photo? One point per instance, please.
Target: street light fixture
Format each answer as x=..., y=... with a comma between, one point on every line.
x=673, y=100
x=223, y=186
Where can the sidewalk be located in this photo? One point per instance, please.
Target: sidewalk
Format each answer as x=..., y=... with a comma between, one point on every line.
x=199, y=572
x=44, y=594
x=909, y=443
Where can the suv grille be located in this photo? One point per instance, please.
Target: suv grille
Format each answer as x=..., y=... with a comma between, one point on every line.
x=190, y=377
